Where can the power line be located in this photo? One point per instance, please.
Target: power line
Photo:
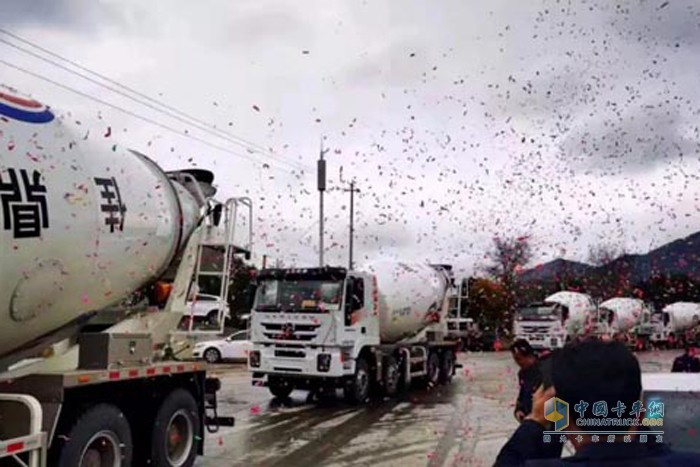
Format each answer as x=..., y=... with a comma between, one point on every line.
x=129, y=112
x=201, y=127
x=170, y=112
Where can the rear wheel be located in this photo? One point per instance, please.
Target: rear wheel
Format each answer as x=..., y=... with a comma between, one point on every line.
x=279, y=387
x=212, y=355
x=447, y=366
x=357, y=389
x=100, y=437
x=391, y=376
x=433, y=376
x=176, y=431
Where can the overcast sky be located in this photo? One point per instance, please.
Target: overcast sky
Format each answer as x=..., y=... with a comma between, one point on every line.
x=575, y=122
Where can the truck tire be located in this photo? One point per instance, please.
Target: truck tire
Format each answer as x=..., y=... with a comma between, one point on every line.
x=433, y=368
x=391, y=375
x=212, y=355
x=357, y=390
x=447, y=366
x=100, y=436
x=279, y=387
x=176, y=431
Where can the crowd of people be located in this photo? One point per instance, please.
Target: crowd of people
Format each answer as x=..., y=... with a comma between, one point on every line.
x=584, y=373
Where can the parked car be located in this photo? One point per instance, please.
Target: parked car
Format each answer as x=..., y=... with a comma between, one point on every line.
x=207, y=307
x=235, y=347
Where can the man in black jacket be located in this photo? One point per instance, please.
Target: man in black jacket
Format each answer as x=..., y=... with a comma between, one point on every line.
x=582, y=375
x=529, y=376
x=686, y=363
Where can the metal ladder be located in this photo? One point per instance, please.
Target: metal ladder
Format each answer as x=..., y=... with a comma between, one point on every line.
x=215, y=237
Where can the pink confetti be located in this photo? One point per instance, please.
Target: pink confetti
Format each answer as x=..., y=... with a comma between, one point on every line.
x=255, y=410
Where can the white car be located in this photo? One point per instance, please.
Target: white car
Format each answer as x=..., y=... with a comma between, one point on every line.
x=234, y=347
x=208, y=306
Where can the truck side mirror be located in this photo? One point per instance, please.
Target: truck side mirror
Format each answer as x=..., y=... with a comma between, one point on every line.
x=358, y=295
x=216, y=214
x=250, y=295
x=349, y=299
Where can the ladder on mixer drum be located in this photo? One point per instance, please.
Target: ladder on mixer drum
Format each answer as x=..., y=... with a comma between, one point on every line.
x=221, y=241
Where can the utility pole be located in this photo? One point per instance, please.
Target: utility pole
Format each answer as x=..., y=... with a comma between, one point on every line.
x=321, y=189
x=352, y=191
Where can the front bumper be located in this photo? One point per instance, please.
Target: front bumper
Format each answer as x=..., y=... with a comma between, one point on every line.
x=301, y=362
x=543, y=341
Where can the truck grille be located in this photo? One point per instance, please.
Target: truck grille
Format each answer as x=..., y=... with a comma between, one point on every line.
x=288, y=353
x=290, y=331
x=535, y=329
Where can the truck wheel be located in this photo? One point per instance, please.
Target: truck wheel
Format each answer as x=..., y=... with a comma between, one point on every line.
x=357, y=390
x=433, y=376
x=279, y=387
x=176, y=431
x=447, y=367
x=212, y=355
x=391, y=376
x=101, y=436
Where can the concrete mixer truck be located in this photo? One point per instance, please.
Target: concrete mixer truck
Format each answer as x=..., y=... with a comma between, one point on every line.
x=676, y=324
x=555, y=321
x=87, y=372
x=626, y=319
x=379, y=327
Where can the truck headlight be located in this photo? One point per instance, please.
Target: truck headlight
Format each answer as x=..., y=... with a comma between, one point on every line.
x=254, y=358
x=323, y=362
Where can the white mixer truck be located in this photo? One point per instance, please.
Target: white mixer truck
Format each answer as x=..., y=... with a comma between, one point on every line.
x=83, y=226
x=676, y=324
x=554, y=322
x=626, y=319
x=381, y=327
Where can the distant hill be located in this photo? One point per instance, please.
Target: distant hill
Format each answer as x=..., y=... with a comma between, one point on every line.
x=556, y=268
x=679, y=257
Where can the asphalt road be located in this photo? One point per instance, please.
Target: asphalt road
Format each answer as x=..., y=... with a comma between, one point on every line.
x=465, y=423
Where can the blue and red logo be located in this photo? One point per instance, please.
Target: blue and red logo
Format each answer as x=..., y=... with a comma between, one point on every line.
x=24, y=110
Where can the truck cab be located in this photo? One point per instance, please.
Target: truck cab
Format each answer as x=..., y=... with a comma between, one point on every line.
x=311, y=322
x=542, y=324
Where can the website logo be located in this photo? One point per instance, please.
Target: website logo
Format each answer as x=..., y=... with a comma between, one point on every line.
x=557, y=412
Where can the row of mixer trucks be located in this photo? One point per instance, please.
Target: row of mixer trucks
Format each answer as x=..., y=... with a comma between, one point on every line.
x=565, y=315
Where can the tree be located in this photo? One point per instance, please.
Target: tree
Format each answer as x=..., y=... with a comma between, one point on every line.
x=242, y=275
x=604, y=253
x=508, y=257
x=487, y=302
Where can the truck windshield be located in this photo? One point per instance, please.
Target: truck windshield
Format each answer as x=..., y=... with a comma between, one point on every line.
x=538, y=313
x=298, y=295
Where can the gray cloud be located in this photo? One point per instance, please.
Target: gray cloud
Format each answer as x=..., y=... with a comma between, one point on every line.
x=86, y=15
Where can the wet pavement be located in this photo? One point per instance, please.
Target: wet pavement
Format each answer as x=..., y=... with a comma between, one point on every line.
x=465, y=423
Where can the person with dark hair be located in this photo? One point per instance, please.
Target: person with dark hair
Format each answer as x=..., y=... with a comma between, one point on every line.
x=686, y=363
x=529, y=376
x=584, y=374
